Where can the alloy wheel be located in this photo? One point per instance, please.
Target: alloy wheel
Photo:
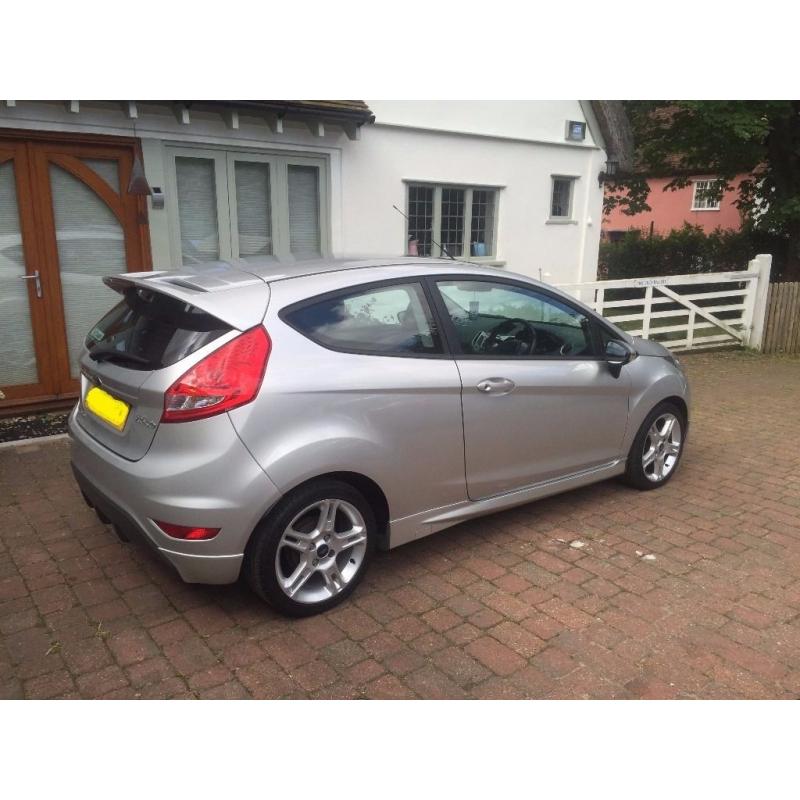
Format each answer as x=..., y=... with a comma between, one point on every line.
x=321, y=551
x=662, y=447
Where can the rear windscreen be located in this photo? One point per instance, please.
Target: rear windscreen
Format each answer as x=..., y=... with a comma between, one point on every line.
x=148, y=330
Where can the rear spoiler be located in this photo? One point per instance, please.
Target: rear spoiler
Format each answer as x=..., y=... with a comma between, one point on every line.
x=237, y=298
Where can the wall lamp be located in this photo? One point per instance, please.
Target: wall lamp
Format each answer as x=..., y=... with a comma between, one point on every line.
x=608, y=173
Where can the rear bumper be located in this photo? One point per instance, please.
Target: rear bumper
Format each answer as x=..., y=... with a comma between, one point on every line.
x=209, y=479
x=191, y=568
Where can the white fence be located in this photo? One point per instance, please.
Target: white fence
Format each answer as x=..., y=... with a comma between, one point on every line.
x=686, y=312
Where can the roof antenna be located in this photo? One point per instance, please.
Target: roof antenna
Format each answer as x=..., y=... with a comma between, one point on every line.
x=433, y=241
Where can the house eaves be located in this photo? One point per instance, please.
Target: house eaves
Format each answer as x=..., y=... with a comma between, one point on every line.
x=353, y=111
x=347, y=115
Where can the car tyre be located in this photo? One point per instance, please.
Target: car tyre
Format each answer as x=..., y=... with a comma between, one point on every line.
x=308, y=537
x=657, y=449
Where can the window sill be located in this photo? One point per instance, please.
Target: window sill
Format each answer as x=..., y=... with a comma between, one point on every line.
x=556, y=221
x=705, y=209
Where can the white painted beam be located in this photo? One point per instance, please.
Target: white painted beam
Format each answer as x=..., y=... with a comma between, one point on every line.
x=274, y=123
x=181, y=111
x=353, y=132
x=11, y=103
x=317, y=128
x=231, y=119
x=130, y=109
x=73, y=106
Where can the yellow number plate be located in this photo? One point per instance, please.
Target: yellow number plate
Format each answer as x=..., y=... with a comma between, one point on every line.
x=108, y=408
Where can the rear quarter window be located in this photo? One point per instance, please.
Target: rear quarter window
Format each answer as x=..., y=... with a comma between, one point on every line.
x=155, y=328
x=383, y=320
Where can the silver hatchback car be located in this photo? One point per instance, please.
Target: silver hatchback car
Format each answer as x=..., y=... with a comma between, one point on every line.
x=282, y=421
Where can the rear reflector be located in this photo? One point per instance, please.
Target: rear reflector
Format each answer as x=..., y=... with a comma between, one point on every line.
x=186, y=531
x=227, y=378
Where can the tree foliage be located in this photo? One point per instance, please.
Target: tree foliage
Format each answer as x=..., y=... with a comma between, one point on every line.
x=726, y=138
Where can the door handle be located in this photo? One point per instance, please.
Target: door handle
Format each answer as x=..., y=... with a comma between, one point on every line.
x=496, y=386
x=38, y=281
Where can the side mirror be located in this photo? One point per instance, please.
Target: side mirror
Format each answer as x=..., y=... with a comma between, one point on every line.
x=617, y=355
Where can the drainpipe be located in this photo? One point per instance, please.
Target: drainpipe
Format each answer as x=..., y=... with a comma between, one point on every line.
x=587, y=222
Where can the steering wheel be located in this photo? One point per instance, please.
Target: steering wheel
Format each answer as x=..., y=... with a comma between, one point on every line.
x=525, y=344
x=550, y=344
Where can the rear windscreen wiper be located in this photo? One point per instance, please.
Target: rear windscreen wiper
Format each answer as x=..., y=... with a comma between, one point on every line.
x=109, y=354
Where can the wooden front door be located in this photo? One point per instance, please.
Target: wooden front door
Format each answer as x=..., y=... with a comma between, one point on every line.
x=66, y=220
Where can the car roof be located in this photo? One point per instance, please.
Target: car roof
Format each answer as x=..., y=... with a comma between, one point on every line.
x=215, y=275
x=271, y=269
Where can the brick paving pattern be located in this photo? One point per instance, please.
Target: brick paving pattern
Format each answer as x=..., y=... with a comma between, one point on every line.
x=689, y=592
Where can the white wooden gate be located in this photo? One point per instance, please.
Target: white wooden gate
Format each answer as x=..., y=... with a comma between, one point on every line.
x=686, y=312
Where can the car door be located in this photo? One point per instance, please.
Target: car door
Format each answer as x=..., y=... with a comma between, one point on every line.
x=538, y=403
x=361, y=382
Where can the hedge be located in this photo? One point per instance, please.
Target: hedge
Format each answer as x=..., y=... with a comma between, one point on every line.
x=686, y=250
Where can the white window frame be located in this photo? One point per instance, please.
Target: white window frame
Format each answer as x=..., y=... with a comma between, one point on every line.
x=569, y=219
x=436, y=221
x=224, y=159
x=695, y=207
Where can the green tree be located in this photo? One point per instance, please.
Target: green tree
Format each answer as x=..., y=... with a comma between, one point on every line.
x=727, y=138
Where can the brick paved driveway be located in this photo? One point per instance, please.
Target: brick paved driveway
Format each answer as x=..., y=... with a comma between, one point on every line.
x=693, y=591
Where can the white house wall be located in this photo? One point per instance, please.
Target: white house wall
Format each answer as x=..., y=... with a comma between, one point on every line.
x=530, y=120
x=375, y=168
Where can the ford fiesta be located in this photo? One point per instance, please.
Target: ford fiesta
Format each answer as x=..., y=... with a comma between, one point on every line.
x=280, y=422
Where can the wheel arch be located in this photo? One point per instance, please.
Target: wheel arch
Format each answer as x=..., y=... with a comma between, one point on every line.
x=375, y=497
x=372, y=492
x=682, y=405
x=654, y=383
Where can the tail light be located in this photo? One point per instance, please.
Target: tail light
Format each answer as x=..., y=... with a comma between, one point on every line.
x=227, y=378
x=187, y=531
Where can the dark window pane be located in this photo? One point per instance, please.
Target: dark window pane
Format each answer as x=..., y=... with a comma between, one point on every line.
x=453, y=221
x=562, y=190
x=420, y=220
x=387, y=320
x=482, y=227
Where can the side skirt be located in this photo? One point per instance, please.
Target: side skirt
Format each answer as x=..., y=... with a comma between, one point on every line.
x=416, y=526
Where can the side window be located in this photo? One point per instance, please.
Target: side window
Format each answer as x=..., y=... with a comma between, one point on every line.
x=561, y=198
x=500, y=319
x=385, y=320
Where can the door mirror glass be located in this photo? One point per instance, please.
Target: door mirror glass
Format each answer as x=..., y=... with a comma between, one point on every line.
x=618, y=353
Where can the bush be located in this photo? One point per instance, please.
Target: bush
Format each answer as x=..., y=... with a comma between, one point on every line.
x=685, y=251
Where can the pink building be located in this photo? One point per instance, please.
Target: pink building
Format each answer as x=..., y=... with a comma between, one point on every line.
x=672, y=209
